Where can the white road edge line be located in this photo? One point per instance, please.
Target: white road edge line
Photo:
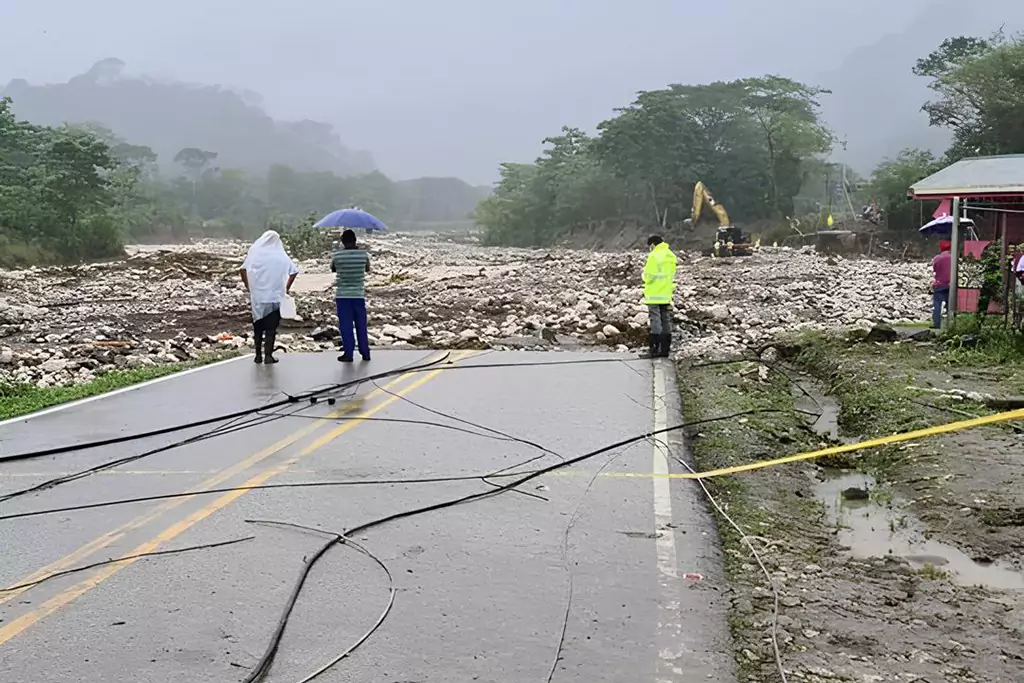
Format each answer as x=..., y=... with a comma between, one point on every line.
x=115, y=392
x=665, y=538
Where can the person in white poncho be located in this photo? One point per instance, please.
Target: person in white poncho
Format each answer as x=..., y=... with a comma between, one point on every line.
x=268, y=273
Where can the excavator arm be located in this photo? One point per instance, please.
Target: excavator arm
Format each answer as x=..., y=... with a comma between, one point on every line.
x=701, y=196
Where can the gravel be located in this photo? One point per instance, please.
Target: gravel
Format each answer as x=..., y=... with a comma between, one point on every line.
x=164, y=304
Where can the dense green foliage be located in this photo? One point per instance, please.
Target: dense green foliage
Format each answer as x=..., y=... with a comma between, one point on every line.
x=980, y=88
x=752, y=141
x=57, y=192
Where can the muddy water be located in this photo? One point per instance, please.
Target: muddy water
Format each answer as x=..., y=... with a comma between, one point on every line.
x=809, y=398
x=874, y=529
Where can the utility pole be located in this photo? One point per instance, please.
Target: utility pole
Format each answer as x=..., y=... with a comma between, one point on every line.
x=954, y=263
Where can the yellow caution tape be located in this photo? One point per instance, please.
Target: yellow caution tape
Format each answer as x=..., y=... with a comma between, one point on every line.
x=861, y=445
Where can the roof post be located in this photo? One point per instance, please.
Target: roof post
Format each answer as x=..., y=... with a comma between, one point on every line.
x=954, y=264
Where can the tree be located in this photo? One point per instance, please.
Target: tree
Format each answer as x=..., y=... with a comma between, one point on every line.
x=980, y=88
x=891, y=181
x=55, y=191
x=787, y=113
x=196, y=163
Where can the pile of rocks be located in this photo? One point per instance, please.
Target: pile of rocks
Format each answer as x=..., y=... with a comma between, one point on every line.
x=165, y=304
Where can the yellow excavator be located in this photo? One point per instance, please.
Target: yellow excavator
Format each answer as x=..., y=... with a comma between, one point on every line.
x=729, y=240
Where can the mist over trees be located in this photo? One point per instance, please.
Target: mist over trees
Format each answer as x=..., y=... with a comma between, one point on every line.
x=752, y=141
x=70, y=192
x=78, y=190
x=170, y=116
x=207, y=161
x=760, y=145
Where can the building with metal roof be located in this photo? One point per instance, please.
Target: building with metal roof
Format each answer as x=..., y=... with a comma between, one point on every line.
x=977, y=177
x=990, y=187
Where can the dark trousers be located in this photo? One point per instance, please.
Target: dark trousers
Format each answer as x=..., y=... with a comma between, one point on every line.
x=940, y=298
x=266, y=329
x=352, y=314
x=660, y=317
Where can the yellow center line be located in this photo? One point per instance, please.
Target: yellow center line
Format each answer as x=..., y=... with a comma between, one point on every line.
x=219, y=478
x=65, y=597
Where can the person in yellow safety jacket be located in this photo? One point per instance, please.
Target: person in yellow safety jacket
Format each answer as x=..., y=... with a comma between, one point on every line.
x=659, y=285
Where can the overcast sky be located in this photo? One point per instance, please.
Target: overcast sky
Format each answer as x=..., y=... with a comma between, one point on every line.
x=443, y=87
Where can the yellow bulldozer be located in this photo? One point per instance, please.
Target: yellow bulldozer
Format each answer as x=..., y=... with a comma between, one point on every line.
x=729, y=240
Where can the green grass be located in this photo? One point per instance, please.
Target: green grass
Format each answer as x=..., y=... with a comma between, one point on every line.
x=993, y=344
x=21, y=399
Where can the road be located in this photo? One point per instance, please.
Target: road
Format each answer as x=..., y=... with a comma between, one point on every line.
x=604, y=565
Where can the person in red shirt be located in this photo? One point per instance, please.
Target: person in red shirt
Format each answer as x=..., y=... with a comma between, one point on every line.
x=941, y=265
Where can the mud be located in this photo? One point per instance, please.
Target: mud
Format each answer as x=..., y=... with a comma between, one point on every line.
x=883, y=527
x=870, y=590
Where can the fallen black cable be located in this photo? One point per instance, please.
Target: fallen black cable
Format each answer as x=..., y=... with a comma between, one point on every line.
x=222, y=430
x=504, y=488
x=94, y=565
x=69, y=448
x=497, y=436
x=343, y=540
x=543, y=449
x=425, y=367
x=352, y=482
x=231, y=427
x=265, y=661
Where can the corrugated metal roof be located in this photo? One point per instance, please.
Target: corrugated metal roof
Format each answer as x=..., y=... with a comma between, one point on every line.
x=975, y=176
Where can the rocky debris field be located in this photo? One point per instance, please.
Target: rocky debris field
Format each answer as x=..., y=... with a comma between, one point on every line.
x=64, y=325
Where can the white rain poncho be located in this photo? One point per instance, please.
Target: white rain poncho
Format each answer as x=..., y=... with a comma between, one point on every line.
x=268, y=268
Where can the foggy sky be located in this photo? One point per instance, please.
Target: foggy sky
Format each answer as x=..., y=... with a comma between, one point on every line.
x=444, y=87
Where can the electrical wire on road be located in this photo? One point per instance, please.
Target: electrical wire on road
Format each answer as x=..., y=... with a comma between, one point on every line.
x=290, y=399
x=264, y=666
x=523, y=478
x=442, y=363
x=139, y=556
x=376, y=482
x=232, y=426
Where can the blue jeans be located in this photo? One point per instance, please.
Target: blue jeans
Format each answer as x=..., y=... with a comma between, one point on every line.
x=352, y=314
x=940, y=296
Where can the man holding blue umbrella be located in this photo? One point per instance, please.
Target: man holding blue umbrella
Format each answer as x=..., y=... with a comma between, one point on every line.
x=351, y=264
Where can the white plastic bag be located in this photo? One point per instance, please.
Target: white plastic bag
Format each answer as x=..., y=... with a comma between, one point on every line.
x=288, y=310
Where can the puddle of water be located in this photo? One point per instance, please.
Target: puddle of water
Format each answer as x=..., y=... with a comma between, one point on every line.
x=871, y=529
x=808, y=398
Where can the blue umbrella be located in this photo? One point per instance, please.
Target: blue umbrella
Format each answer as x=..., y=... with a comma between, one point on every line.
x=351, y=218
x=943, y=226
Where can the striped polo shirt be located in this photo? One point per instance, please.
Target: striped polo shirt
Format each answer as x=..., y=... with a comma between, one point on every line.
x=350, y=268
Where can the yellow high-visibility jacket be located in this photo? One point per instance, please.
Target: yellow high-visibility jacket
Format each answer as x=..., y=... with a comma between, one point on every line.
x=659, y=275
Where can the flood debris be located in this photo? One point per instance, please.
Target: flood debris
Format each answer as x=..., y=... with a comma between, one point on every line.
x=174, y=302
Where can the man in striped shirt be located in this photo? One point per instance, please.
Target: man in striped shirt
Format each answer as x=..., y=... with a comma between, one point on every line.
x=351, y=264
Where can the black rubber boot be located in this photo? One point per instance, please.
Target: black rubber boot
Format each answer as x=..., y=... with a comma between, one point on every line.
x=653, y=347
x=268, y=347
x=664, y=345
x=258, y=343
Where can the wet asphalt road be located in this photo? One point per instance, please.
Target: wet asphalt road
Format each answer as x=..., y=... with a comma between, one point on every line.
x=484, y=592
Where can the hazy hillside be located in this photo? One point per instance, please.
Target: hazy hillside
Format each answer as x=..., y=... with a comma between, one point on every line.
x=876, y=100
x=169, y=116
x=438, y=199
